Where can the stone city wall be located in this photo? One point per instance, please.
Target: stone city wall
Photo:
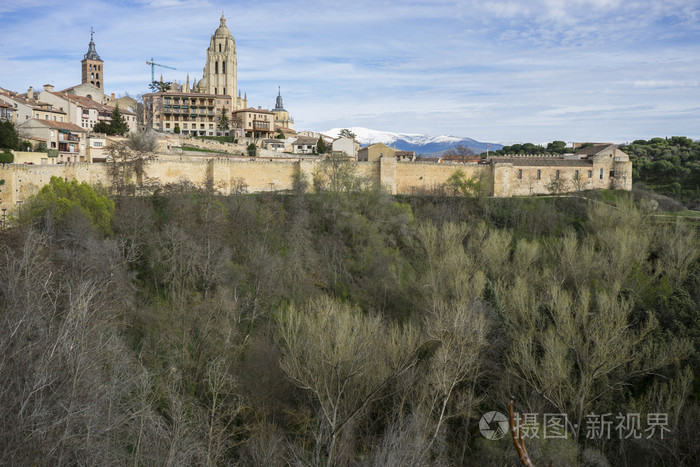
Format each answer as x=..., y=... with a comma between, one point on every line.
x=19, y=181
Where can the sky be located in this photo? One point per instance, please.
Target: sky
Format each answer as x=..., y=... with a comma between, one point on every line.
x=499, y=71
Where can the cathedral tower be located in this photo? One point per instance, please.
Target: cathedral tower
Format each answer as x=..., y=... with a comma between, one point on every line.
x=221, y=68
x=92, y=66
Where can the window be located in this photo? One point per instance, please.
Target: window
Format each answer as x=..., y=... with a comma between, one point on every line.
x=520, y=174
x=184, y=125
x=224, y=91
x=575, y=174
x=167, y=125
x=590, y=174
x=37, y=116
x=61, y=118
x=219, y=47
x=618, y=159
x=223, y=67
x=601, y=174
x=216, y=68
x=539, y=174
x=557, y=175
x=612, y=174
x=54, y=118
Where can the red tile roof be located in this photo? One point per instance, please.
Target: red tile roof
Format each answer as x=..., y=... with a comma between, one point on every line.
x=59, y=125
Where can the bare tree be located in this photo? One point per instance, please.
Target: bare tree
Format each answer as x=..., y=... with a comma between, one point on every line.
x=459, y=153
x=345, y=360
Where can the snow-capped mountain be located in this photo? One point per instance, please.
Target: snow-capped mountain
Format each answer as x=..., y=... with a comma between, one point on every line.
x=421, y=144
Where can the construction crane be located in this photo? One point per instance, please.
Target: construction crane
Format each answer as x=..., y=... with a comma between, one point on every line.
x=153, y=65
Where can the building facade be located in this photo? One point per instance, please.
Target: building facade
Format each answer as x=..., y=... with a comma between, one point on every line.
x=83, y=111
x=255, y=123
x=7, y=112
x=595, y=167
x=374, y=152
x=27, y=108
x=188, y=113
x=65, y=139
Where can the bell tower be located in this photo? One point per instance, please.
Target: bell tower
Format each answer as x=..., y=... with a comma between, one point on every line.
x=221, y=68
x=92, y=66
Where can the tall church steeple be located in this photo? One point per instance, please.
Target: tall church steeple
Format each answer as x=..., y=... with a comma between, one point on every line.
x=278, y=103
x=91, y=65
x=221, y=68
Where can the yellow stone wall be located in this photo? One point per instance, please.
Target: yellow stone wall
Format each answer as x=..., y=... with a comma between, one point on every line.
x=426, y=176
x=398, y=177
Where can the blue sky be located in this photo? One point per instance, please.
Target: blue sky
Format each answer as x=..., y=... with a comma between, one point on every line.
x=501, y=71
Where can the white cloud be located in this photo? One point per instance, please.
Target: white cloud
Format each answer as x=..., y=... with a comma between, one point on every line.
x=666, y=83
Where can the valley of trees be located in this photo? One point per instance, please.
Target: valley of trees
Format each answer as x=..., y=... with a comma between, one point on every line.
x=341, y=326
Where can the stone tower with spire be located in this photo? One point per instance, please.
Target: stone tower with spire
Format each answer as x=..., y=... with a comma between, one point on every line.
x=221, y=68
x=282, y=118
x=92, y=66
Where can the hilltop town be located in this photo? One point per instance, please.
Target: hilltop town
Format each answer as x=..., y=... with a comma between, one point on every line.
x=206, y=127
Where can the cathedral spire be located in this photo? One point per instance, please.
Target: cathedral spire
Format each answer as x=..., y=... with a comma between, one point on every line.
x=92, y=52
x=278, y=103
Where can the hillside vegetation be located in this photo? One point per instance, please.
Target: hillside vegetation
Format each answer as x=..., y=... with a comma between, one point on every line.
x=343, y=328
x=670, y=166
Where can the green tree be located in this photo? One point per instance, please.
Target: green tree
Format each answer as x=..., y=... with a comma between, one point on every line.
x=102, y=127
x=223, y=121
x=59, y=199
x=347, y=133
x=6, y=157
x=252, y=150
x=118, y=123
x=8, y=135
x=160, y=86
x=176, y=130
x=556, y=147
x=321, y=146
x=461, y=184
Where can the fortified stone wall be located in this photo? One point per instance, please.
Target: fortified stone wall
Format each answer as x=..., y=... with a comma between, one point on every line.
x=19, y=181
x=230, y=148
x=423, y=177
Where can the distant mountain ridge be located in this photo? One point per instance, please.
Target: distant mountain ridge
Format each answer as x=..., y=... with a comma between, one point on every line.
x=428, y=146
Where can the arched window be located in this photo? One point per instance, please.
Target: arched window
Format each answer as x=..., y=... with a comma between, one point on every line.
x=219, y=47
x=92, y=75
x=97, y=84
x=224, y=90
x=97, y=75
x=216, y=68
x=223, y=67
